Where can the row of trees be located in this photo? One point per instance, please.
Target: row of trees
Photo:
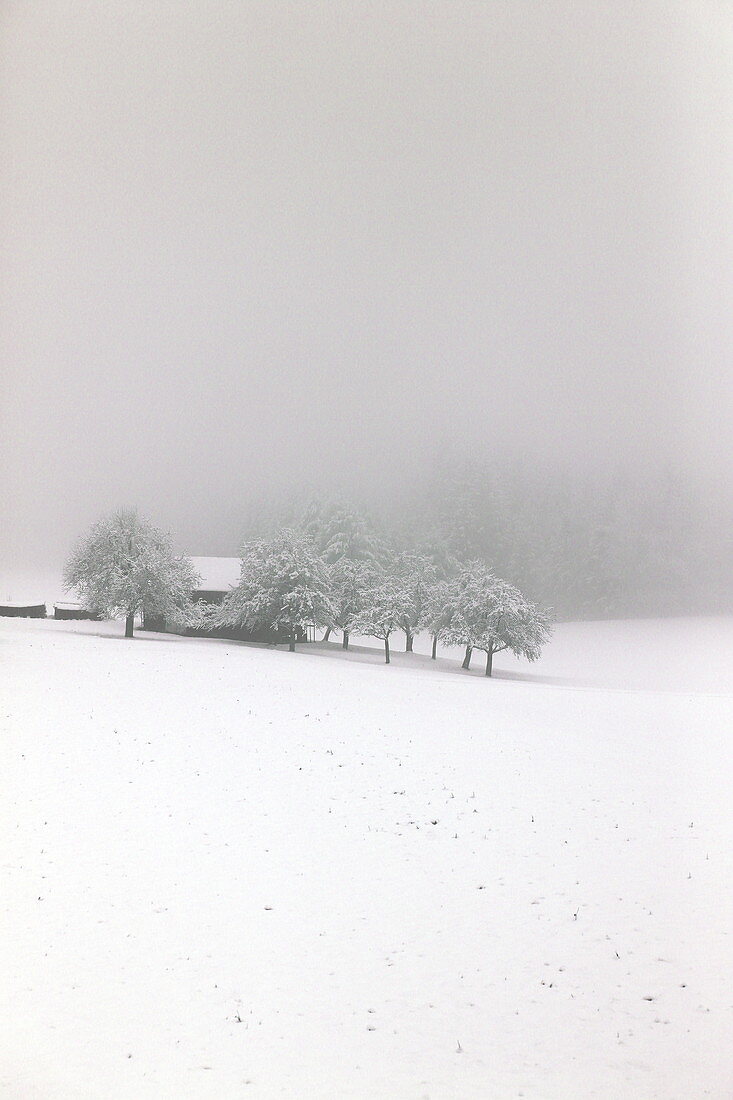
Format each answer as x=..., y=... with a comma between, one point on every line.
x=287, y=584
x=331, y=571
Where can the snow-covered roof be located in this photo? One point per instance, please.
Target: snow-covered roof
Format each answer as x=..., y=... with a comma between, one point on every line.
x=21, y=603
x=217, y=574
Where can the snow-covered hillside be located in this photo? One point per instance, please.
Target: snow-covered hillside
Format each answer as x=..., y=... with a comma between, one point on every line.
x=233, y=871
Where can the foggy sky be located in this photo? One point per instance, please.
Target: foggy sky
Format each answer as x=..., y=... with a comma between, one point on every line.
x=248, y=245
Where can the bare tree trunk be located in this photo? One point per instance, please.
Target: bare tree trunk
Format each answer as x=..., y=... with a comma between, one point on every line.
x=327, y=635
x=408, y=641
x=489, y=661
x=386, y=649
x=292, y=641
x=467, y=658
x=435, y=646
x=130, y=625
x=345, y=642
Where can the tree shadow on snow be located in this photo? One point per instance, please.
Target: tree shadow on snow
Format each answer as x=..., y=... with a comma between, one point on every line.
x=374, y=655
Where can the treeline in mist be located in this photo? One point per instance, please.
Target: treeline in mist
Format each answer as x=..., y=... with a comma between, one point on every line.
x=587, y=546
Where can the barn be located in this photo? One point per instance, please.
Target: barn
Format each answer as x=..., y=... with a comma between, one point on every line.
x=72, y=610
x=218, y=577
x=13, y=610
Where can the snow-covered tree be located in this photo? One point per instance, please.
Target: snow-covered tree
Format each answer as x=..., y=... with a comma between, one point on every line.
x=284, y=585
x=200, y=617
x=125, y=565
x=417, y=575
x=439, y=610
x=347, y=541
x=493, y=616
x=349, y=581
x=384, y=606
x=340, y=530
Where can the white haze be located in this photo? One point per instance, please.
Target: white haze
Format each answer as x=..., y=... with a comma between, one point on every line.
x=249, y=247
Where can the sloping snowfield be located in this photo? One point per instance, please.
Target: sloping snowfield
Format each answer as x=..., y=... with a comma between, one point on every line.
x=232, y=871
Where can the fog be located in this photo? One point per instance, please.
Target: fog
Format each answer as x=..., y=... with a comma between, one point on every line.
x=253, y=251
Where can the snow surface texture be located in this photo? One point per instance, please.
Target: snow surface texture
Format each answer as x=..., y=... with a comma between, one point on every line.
x=234, y=871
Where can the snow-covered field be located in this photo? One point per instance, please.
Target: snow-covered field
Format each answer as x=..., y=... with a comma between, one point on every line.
x=232, y=871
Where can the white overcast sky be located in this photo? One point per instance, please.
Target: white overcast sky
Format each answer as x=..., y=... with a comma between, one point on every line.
x=245, y=244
